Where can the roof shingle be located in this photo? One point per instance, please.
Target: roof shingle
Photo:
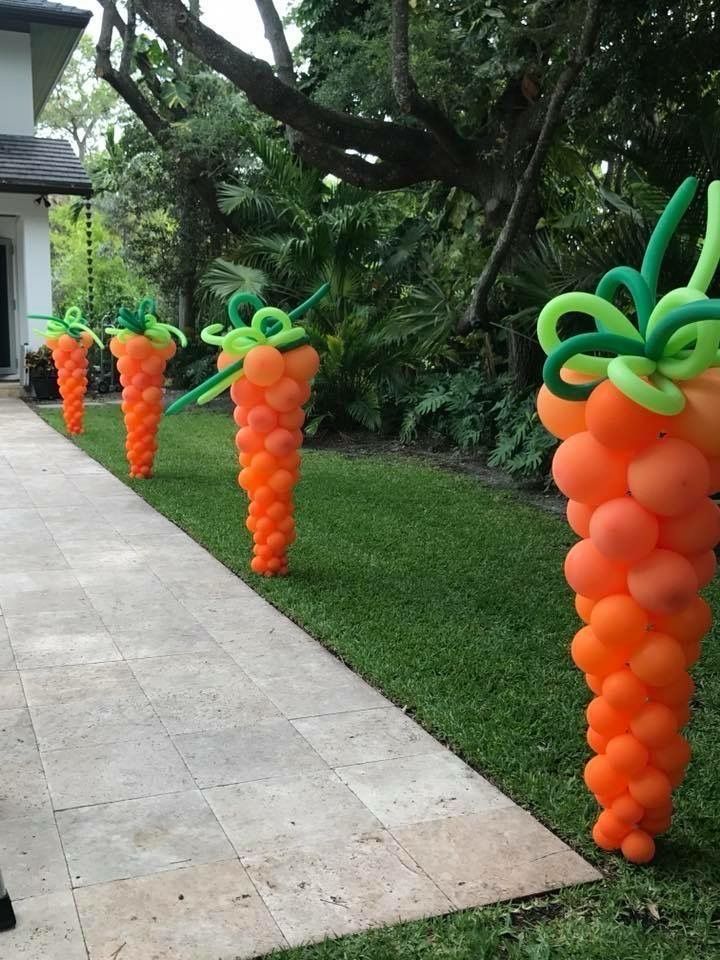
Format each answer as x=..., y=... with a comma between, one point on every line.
x=34, y=165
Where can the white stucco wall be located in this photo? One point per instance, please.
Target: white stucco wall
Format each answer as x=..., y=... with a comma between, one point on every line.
x=32, y=262
x=16, y=102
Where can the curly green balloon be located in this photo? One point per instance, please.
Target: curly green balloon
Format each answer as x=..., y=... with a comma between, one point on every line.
x=144, y=322
x=676, y=338
x=269, y=325
x=72, y=324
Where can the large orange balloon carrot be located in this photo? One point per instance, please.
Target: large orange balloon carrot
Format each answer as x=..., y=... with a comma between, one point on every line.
x=269, y=367
x=143, y=347
x=638, y=462
x=70, y=338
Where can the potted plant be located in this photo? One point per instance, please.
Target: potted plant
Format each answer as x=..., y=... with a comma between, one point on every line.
x=42, y=373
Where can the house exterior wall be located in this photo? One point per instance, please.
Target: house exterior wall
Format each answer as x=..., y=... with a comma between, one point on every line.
x=27, y=224
x=16, y=102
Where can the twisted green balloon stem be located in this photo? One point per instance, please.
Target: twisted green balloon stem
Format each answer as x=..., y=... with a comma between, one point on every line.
x=675, y=339
x=72, y=324
x=143, y=322
x=268, y=327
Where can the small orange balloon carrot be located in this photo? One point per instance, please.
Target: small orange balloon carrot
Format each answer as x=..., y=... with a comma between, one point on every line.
x=143, y=347
x=70, y=338
x=269, y=367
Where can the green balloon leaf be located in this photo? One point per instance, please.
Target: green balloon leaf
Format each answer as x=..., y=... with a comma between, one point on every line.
x=672, y=340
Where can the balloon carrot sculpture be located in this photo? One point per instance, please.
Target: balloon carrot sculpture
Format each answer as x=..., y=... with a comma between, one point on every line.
x=269, y=367
x=70, y=338
x=639, y=459
x=143, y=347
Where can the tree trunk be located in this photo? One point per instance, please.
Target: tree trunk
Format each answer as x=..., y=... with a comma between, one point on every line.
x=186, y=316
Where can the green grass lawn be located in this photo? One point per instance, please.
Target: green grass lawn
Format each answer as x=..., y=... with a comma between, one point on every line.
x=449, y=597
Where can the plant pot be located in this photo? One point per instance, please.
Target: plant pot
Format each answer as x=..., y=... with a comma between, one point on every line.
x=45, y=387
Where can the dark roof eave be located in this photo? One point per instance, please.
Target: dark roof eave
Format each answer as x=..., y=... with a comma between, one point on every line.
x=44, y=189
x=58, y=18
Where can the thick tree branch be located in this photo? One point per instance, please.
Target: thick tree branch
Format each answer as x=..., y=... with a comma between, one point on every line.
x=530, y=176
x=121, y=81
x=275, y=35
x=408, y=97
x=391, y=142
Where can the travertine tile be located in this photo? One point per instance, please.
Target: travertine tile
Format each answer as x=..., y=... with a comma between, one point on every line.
x=427, y=787
x=47, y=929
x=497, y=855
x=338, y=690
x=209, y=912
x=63, y=649
x=333, y=887
x=365, y=735
x=269, y=815
x=11, y=691
x=134, y=838
x=32, y=857
x=201, y=692
x=79, y=776
x=268, y=748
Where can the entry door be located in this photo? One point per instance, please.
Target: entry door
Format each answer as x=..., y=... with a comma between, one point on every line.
x=8, y=349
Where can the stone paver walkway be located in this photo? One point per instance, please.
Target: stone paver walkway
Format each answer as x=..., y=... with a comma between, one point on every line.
x=184, y=773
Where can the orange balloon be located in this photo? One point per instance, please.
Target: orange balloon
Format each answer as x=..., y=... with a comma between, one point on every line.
x=618, y=620
x=672, y=756
x=681, y=714
x=578, y=516
x=302, y=363
x=263, y=365
x=627, y=809
x=594, y=682
x=591, y=574
x=591, y=656
x=263, y=462
x=664, y=582
x=616, y=421
x=584, y=607
x=654, y=725
x=596, y=741
x=280, y=442
x=262, y=418
x=284, y=395
x=248, y=440
x=650, y=787
x=657, y=824
x=585, y=470
x=669, y=477
x=714, y=464
x=659, y=660
x=612, y=826
x=676, y=693
x=688, y=625
x=627, y=754
x=561, y=418
x=623, y=530
x=603, y=841
x=601, y=777
x=281, y=481
x=691, y=532
x=246, y=394
x=704, y=564
x=293, y=419
x=638, y=847
x=699, y=422
x=605, y=719
x=624, y=691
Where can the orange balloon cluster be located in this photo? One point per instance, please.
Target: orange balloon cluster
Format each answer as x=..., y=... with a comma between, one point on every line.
x=269, y=400
x=638, y=487
x=141, y=364
x=71, y=362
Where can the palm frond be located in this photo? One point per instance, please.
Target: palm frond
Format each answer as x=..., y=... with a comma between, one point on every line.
x=222, y=279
